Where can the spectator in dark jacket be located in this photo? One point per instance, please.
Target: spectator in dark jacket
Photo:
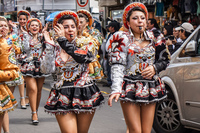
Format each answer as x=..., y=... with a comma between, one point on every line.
x=168, y=30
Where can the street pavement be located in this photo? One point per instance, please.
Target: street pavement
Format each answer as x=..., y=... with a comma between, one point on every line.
x=106, y=119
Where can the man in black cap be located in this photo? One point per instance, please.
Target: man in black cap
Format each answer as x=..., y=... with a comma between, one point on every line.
x=112, y=28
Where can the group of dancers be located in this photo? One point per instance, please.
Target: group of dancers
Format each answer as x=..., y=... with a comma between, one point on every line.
x=71, y=54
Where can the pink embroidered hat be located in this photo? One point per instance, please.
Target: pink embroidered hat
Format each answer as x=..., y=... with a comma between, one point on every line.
x=24, y=11
x=129, y=7
x=63, y=13
x=88, y=14
x=34, y=19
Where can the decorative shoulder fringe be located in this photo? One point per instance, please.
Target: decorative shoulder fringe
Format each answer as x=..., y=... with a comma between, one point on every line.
x=77, y=111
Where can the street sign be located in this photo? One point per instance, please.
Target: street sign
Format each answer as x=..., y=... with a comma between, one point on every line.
x=83, y=4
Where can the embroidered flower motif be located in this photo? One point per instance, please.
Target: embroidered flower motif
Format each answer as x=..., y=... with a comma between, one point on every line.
x=116, y=42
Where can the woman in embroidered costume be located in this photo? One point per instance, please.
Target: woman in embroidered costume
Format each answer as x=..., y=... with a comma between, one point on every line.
x=22, y=17
x=12, y=41
x=30, y=66
x=8, y=71
x=85, y=29
x=74, y=97
x=137, y=57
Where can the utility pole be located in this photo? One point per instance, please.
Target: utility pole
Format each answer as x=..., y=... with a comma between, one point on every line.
x=43, y=5
x=2, y=8
x=52, y=4
x=0, y=5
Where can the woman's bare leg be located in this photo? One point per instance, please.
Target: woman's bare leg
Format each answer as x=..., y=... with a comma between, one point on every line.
x=83, y=121
x=67, y=122
x=31, y=84
x=132, y=116
x=127, y=130
x=147, y=117
x=5, y=122
x=21, y=93
x=26, y=98
x=1, y=121
x=40, y=82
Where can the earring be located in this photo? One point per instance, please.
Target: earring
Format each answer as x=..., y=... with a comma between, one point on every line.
x=129, y=28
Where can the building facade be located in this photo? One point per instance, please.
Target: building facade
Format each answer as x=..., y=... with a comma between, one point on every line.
x=41, y=8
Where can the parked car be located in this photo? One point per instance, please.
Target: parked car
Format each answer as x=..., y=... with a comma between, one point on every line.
x=181, y=110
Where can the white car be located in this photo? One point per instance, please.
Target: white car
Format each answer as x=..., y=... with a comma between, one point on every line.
x=181, y=110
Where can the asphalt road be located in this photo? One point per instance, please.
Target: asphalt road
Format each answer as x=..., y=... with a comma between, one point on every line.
x=106, y=120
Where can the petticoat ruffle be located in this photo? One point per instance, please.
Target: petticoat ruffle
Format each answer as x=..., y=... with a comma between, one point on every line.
x=143, y=91
x=74, y=99
x=32, y=69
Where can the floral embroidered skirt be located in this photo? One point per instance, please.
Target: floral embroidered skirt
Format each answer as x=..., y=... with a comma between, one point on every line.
x=74, y=99
x=32, y=69
x=143, y=91
x=8, y=102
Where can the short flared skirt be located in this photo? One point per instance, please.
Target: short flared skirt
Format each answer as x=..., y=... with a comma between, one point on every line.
x=18, y=81
x=32, y=69
x=74, y=99
x=8, y=102
x=143, y=91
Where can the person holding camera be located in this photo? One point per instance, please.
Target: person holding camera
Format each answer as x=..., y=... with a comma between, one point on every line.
x=184, y=32
x=168, y=30
x=168, y=34
x=176, y=34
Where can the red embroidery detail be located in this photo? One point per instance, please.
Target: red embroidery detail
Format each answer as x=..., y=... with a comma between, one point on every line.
x=116, y=39
x=143, y=65
x=68, y=75
x=130, y=51
x=116, y=54
x=80, y=51
x=21, y=36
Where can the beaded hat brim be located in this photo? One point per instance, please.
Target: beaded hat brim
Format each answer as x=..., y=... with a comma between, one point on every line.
x=35, y=19
x=24, y=11
x=88, y=14
x=131, y=6
x=63, y=13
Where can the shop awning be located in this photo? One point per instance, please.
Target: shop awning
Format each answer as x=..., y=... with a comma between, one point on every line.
x=107, y=3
